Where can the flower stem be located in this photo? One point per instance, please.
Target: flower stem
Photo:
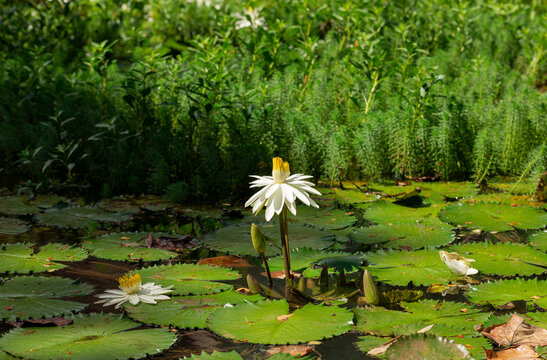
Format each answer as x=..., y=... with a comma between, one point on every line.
x=283, y=228
x=265, y=262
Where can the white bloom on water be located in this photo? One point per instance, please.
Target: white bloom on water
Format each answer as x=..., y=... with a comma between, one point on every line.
x=249, y=18
x=281, y=189
x=132, y=290
x=457, y=263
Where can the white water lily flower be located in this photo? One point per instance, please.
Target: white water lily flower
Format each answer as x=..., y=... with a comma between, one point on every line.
x=255, y=19
x=281, y=189
x=132, y=290
x=457, y=263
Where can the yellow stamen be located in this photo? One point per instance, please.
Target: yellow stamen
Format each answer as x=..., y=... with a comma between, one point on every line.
x=280, y=170
x=130, y=283
x=277, y=163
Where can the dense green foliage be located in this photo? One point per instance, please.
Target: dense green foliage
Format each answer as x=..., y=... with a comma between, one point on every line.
x=178, y=98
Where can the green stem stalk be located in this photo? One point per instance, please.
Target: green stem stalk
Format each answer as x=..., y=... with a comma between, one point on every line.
x=265, y=262
x=283, y=228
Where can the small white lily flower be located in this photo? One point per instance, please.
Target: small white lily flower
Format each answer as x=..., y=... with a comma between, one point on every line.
x=255, y=19
x=132, y=290
x=457, y=263
x=281, y=189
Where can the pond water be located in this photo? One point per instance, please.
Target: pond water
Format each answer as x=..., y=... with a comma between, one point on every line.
x=397, y=240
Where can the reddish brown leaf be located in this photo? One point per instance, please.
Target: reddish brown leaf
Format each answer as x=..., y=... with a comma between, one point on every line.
x=292, y=350
x=516, y=332
x=522, y=352
x=226, y=261
x=281, y=274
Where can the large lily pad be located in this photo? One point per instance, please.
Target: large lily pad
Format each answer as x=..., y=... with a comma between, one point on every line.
x=187, y=311
x=11, y=226
x=449, y=318
x=422, y=346
x=189, y=278
x=33, y=297
x=269, y=322
x=302, y=258
x=127, y=246
x=333, y=219
x=351, y=196
x=422, y=267
x=22, y=205
x=494, y=217
x=539, y=241
x=450, y=190
x=385, y=212
x=416, y=235
x=76, y=217
x=473, y=344
x=504, y=259
x=501, y=292
x=19, y=257
x=89, y=337
x=236, y=239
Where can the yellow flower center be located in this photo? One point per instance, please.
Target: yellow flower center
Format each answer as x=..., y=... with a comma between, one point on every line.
x=130, y=283
x=280, y=170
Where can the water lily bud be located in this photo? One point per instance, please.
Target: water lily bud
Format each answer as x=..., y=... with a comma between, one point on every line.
x=371, y=291
x=259, y=241
x=253, y=285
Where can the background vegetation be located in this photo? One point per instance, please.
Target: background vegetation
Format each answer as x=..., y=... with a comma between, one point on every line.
x=180, y=98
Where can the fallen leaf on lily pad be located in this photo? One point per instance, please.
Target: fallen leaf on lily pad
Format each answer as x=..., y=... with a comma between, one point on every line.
x=516, y=332
x=521, y=352
x=281, y=274
x=226, y=261
x=292, y=350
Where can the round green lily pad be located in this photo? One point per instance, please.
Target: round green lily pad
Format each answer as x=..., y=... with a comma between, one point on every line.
x=34, y=297
x=187, y=311
x=423, y=346
x=126, y=246
x=216, y=355
x=450, y=318
x=501, y=292
x=539, y=241
x=384, y=212
x=332, y=219
x=432, y=233
x=19, y=257
x=422, y=267
x=22, y=205
x=236, y=239
x=11, y=226
x=304, y=257
x=269, y=322
x=494, y=217
x=504, y=259
x=89, y=337
x=351, y=197
x=76, y=217
x=189, y=278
